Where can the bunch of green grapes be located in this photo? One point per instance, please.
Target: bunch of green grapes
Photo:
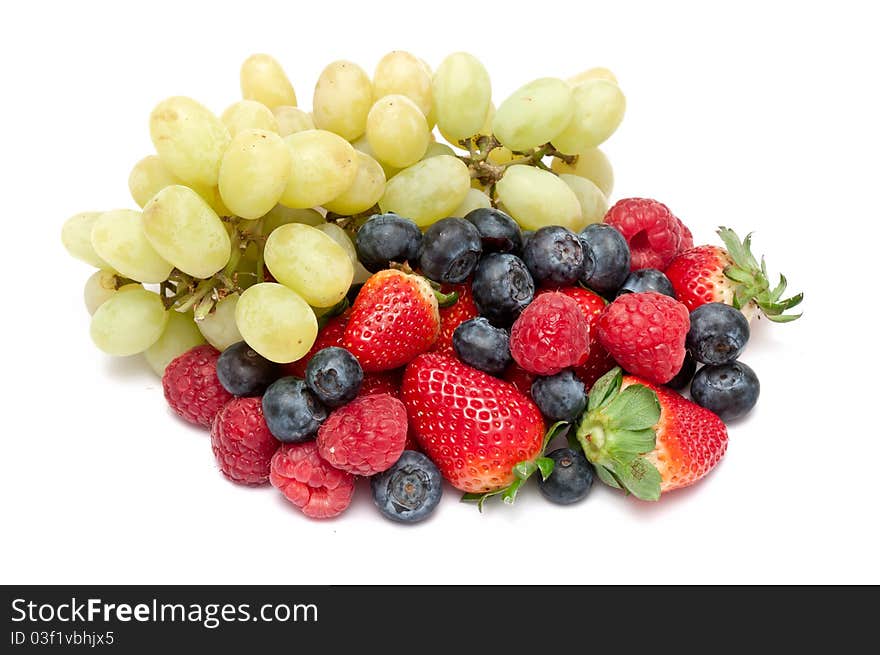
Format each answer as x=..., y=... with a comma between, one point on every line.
x=246, y=220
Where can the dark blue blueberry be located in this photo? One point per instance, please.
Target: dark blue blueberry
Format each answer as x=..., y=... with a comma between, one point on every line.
x=571, y=479
x=481, y=345
x=334, y=375
x=450, y=251
x=555, y=256
x=292, y=412
x=387, y=238
x=526, y=235
x=647, y=279
x=243, y=371
x=718, y=333
x=685, y=374
x=560, y=397
x=498, y=231
x=606, y=258
x=410, y=490
x=729, y=390
x=353, y=292
x=502, y=287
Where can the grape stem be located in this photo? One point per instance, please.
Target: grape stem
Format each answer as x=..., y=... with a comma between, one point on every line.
x=489, y=173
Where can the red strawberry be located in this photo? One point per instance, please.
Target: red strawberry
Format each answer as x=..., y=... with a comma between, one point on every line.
x=733, y=276
x=241, y=441
x=454, y=315
x=192, y=388
x=645, y=333
x=520, y=378
x=598, y=361
x=647, y=439
x=653, y=233
x=394, y=319
x=475, y=427
x=330, y=335
x=384, y=382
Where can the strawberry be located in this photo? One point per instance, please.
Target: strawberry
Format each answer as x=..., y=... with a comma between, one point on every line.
x=483, y=434
x=394, y=319
x=647, y=439
x=330, y=335
x=733, y=276
x=454, y=315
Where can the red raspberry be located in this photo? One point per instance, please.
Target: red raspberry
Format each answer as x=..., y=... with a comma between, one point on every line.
x=384, y=382
x=598, y=361
x=365, y=436
x=654, y=235
x=551, y=334
x=309, y=482
x=687, y=239
x=330, y=335
x=451, y=317
x=645, y=333
x=242, y=442
x=192, y=388
x=520, y=378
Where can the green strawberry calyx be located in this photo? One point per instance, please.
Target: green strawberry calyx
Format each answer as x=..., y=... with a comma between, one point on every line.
x=616, y=432
x=752, y=281
x=522, y=471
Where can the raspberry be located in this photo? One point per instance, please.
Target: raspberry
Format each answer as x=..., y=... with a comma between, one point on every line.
x=330, y=335
x=654, y=235
x=551, y=334
x=451, y=317
x=384, y=382
x=242, y=443
x=192, y=388
x=309, y=482
x=645, y=333
x=366, y=436
x=687, y=239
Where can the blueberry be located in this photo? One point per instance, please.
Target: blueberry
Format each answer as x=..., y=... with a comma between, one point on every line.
x=478, y=343
x=526, y=235
x=353, y=292
x=387, y=238
x=729, y=390
x=498, y=231
x=410, y=490
x=571, y=479
x=292, y=412
x=243, y=371
x=334, y=375
x=606, y=258
x=450, y=251
x=560, y=397
x=647, y=279
x=502, y=287
x=554, y=255
x=718, y=333
x=685, y=373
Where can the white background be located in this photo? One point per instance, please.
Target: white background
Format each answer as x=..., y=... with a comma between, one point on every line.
x=762, y=116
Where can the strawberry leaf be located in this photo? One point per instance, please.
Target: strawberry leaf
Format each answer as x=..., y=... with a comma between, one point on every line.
x=634, y=408
x=631, y=442
x=523, y=470
x=607, y=477
x=605, y=388
x=639, y=477
x=545, y=466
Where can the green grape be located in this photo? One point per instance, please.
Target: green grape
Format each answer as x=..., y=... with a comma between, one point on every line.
x=341, y=237
x=292, y=120
x=342, y=100
x=591, y=164
x=281, y=215
x=219, y=327
x=363, y=145
x=593, y=202
x=597, y=73
x=427, y=191
x=253, y=173
x=211, y=195
x=462, y=96
x=276, y=322
x=118, y=238
x=76, y=235
x=369, y=183
x=180, y=334
x=185, y=231
x=598, y=109
x=264, y=80
x=148, y=177
x=475, y=199
x=534, y=114
x=485, y=129
x=323, y=166
x=248, y=115
x=501, y=155
x=397, y=131
x=309, y=262
x=535, y=198
x=435, y=149
x=100, y=286
x=129, y=323
x=190, y=140
x=401, y=73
